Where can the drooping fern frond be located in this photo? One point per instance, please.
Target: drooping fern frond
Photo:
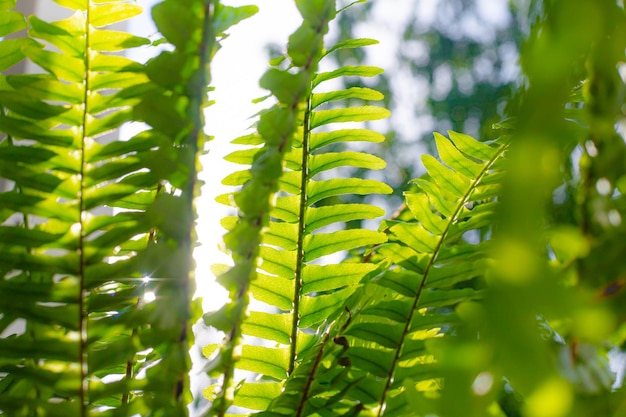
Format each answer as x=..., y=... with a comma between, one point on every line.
x=300, y=291
x=375, y=360
x=276, y=128
x=82, y=333
x=69, y=296
x=173, y=108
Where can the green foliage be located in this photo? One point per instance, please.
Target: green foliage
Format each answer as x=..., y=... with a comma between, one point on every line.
x=290, y=155
x=378, y=358
x=496, y=289
x=78, y=279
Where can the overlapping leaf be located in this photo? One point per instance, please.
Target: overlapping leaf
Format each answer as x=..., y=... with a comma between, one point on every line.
x=83, y=336
x=376, y=357
x=57, y=248
x=302, y=290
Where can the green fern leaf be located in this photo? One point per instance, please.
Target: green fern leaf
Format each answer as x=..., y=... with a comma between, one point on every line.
x=12, y=51
x=359, y=93
x=351, y=44
x=80, y=273
x=307, y=294
x=354, y=114
x=347, y=71
x=420, y=278
x=110, y=13
x=11, y=22
x=52, y=180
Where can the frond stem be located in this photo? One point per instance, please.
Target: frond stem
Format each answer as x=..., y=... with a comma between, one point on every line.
x=82, y=266
x=297, y=292
x=195, y=139
x=311, y=377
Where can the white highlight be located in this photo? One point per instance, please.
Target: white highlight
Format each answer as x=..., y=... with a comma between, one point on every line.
x=603, y=186
x=76, y=228
x=149, y=297
x=614, y=218
x=482, y=384
x=591, y=149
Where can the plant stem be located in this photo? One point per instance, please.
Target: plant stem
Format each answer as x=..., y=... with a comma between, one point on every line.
x=82, y=297
x=297, y=292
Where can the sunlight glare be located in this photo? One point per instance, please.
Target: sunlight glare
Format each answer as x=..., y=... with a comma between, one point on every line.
x=236, y=70
x=482, y=384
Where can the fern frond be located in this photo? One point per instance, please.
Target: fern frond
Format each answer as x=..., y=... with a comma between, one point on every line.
x=292, y=279
x=85, y=279
x=276, y=128
x=57, y=250
x=179, y=103
x=376, y=357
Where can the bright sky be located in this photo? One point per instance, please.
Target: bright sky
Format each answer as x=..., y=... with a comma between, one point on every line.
x=236, y=70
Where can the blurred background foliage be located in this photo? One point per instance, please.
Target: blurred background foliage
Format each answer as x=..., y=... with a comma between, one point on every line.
x=549, y=340
x=548, y=76
x=449, y=65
